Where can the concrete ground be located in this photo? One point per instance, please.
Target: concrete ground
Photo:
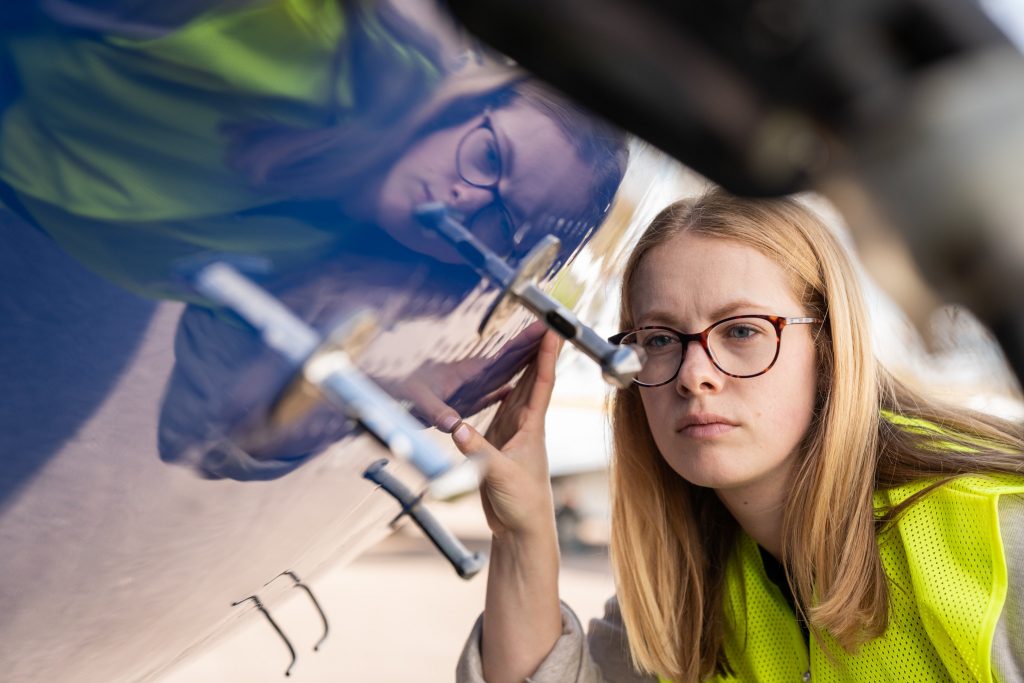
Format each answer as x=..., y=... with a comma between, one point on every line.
x=398, y=613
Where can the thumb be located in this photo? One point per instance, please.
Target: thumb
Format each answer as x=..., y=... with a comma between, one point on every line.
x=477, y=448
x=471, y=442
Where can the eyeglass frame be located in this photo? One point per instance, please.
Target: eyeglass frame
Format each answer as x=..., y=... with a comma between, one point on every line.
x=493, y=186
x=778, y=322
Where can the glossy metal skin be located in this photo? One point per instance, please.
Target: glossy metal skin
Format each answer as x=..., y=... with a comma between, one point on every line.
x=149, y=481
x=114, y=561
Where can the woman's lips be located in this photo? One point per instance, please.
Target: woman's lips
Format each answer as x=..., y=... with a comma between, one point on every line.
x=704, y=425
x=706, y=431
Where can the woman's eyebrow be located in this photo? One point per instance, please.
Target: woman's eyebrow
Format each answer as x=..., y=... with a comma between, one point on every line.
x=667, y=318
x=736, y=307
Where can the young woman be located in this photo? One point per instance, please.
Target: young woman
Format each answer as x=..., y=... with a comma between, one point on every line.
x=139, y=136
x=783, y=508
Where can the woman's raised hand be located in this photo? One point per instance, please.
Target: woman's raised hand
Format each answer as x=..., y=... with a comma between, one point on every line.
x=522, y=620
x=516, y=490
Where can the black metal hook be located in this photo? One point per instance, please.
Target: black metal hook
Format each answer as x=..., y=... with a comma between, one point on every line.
x=260, y=607
x=309, y=591
x=466, y=564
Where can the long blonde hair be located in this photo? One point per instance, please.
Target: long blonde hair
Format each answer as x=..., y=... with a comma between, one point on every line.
x=671, y=540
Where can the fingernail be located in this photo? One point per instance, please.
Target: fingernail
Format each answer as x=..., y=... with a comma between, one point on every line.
x=448, y=423
x=461, y=435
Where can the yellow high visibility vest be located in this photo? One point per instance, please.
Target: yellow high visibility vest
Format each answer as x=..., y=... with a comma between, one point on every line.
x=947, y=585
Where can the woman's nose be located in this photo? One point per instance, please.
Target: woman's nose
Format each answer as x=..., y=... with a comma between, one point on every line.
x=697, y=373
x=468, y=199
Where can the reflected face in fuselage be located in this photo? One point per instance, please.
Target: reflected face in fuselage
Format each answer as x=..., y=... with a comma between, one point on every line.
x=540, y=173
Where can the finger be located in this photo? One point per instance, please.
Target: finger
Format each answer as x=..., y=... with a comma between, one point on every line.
x=499, y=394
x=471, y=442
x=507, y=420
x=544, y=382
x=429, y=407
x=489, y=461
x=496, y=396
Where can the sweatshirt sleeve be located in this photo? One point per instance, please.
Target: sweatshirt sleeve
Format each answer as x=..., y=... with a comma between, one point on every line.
x=600, y=656
x=1008, y=641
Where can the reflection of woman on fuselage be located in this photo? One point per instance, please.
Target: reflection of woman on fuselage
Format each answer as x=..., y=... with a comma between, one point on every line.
x=279, y=129
x=783, y=508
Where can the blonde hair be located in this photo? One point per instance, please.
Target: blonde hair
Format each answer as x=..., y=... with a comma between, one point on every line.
x=329, y=161
x=671, y=540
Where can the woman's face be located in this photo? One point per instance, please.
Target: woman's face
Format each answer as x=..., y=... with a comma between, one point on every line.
x=539, y=172
x=715, y=430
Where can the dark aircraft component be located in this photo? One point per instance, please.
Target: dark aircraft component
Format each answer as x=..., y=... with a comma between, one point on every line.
x=908, y=112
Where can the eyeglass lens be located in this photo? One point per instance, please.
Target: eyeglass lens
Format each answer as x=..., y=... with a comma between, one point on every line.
x=741, y=347
x=479, y=159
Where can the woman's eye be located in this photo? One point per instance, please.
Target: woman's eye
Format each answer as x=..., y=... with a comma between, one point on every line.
x=490, y=158
x=478, y=157
x=486, y=157
x=659, y=341
x=742, y=332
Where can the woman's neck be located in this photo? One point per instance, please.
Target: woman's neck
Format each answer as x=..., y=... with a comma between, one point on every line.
x=758, y=507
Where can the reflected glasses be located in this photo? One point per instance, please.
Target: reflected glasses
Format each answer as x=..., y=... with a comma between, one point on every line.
x=740, y=346
x=478, y=163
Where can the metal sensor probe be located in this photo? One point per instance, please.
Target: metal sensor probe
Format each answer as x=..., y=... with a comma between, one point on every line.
x=619, y=364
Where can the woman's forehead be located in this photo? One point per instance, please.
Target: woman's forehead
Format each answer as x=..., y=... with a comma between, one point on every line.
x=698, y=277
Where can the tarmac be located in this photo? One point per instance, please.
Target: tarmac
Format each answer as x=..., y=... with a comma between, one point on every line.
x=398, y=613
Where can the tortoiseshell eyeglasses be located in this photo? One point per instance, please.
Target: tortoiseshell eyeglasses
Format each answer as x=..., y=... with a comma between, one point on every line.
x=740, y=346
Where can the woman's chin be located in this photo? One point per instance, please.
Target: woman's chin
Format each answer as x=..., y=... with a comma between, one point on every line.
x=705, y=473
